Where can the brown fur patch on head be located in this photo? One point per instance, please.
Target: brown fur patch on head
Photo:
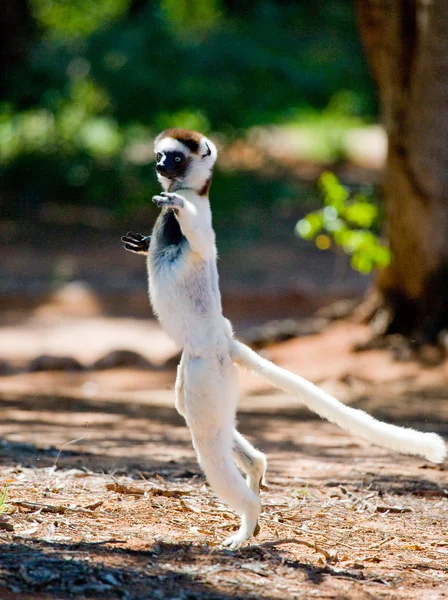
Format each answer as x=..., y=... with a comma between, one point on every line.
x=190, y=139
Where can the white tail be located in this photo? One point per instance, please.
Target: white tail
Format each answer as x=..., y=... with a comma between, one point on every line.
x=401, y=439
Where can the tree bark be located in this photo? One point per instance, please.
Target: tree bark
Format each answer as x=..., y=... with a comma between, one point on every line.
x=407, y=45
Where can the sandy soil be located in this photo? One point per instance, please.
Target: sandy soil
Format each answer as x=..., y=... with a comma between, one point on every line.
x=104, y=497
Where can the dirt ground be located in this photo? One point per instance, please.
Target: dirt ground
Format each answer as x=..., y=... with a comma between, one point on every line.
x=105, y=499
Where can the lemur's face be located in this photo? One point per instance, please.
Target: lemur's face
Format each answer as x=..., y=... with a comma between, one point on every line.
x=171, y=164
x=184, y=159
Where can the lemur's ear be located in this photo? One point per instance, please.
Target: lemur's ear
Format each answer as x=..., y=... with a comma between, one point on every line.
x=208, y=150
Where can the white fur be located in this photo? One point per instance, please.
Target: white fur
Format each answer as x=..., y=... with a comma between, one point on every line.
x=185, y=295
x=401, y=439
x=200, y=171
x=169, y=144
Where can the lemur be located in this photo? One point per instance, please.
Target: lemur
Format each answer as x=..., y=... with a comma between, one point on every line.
x=184, y=293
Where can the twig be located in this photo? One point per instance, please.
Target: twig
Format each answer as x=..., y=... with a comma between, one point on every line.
x=68, y=444
x=393, y=509
x=388, y=539
x=120, y=488
x=278, y=524
x=111, y=541
x=152, y=491
x=51, y=508
x=291, y=541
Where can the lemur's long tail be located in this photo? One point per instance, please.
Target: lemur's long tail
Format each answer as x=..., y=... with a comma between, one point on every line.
x=401, y=439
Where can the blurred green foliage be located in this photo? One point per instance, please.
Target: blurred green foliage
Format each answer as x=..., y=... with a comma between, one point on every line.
x=103, y=76
x=349, y=222
x=62, y=19
x=324, y=131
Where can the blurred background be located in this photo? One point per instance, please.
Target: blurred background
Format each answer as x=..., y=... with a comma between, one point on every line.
x=283, y=88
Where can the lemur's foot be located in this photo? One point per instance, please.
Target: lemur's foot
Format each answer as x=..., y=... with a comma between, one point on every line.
x=242, y=535
x=169, y=199
x=136, y=242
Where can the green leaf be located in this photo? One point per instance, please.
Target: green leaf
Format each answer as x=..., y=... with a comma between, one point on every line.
x=335, y=194
x=382, y=256
x=362, y=263
x=361, y=214
x=348, y=222
x=335, y=226
x=308, y=227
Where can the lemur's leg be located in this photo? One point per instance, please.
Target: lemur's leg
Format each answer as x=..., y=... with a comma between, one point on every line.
x=195, y=227
x=210, y=403
x=179, y=388
x=250, y=460
x=215, y=458
x=136, y=242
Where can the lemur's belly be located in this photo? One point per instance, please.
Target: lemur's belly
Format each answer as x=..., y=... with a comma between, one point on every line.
x=181, y=294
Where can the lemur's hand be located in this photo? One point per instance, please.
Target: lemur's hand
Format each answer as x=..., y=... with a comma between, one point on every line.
x=169, y=199
x=136, y=242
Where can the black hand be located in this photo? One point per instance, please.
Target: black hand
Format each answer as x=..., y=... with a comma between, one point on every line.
x=136, y=242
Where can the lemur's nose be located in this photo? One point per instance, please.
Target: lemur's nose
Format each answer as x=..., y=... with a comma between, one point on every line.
x=163, y=170
x=167, y=171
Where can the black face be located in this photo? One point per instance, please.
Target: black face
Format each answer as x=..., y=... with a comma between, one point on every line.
x=171, y=164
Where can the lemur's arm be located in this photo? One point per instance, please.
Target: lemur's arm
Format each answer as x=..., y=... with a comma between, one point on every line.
x=136, y=242
x=193, y=222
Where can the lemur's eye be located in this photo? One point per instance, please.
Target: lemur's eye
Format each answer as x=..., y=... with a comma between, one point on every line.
x=177, y=159
x=158, y=156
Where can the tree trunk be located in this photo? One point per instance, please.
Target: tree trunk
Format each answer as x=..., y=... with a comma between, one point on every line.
x=407, y=45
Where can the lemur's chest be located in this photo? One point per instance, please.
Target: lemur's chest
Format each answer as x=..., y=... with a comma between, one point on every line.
x=167, y=230
x=173, y=268
x=169, y=244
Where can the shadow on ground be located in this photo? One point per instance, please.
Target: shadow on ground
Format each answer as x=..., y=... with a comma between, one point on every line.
x=105, y=570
